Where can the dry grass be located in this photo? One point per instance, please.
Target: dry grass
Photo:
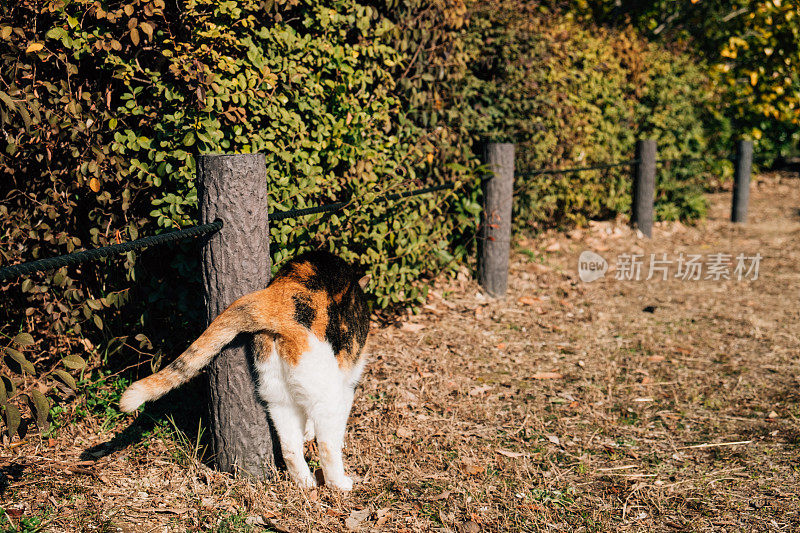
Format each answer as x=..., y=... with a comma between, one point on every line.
x=564, y=407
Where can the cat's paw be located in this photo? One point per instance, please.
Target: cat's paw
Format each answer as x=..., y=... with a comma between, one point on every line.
x=344, y=484
x=306, y=482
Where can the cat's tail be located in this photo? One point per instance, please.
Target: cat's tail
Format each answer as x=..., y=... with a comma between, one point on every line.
x=239, y=317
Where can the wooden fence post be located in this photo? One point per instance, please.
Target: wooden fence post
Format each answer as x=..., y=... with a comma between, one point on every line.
x=644, y=186
x=494, y=244
x=236, y=261
x=741, y=181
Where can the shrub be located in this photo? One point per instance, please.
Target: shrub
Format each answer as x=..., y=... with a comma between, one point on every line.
x=107, y=106
x=571, y=97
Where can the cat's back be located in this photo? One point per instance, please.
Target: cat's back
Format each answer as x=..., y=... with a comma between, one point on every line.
x=326, y=299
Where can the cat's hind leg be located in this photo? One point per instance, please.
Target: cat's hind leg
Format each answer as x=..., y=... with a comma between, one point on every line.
x=321, y=389
x=288, y=419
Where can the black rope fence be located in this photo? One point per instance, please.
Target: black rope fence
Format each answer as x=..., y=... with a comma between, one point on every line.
x=581, y=169
x=84, y=256
x=94, y=254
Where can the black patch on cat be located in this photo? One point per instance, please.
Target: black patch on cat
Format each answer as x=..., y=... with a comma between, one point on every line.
x=304, y=314
x=348, y=318
x=333, y=274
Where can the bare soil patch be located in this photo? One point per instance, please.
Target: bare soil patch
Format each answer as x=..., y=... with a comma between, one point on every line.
x=615, y=405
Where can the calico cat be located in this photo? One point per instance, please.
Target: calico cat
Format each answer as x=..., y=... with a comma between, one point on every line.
x=311, y=323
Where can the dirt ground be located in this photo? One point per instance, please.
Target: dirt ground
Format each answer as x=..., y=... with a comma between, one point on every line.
x=615, y=405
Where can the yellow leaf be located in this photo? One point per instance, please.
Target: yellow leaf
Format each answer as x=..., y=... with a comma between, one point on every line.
x=147, y=28
x=94, y=184
x=33, y=48
x=753, y=78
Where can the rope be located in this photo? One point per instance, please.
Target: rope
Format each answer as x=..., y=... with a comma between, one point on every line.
x=581, y=169
x=84, y=256
x=296, y=213
x=51, y=263
x=407, y=194
x=684, y=160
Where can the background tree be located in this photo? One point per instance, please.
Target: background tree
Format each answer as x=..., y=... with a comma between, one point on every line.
x=752, y=47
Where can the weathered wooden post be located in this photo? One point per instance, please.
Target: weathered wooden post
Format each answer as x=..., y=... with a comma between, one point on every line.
x=644, y=186
x=236, y=261
x=741, y=181
x=494, y=244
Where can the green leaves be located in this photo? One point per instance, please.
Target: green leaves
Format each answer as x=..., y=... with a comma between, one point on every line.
x=68, y=380
x=18, y=356
x=751, y=51
x=74, y=362
x=40, y=406
x=13, y=418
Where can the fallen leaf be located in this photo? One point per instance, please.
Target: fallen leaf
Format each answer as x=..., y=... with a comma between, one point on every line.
x=656, y=358
x=555, y=440
x=171, y=510
x=412, y=328
x=501, y=346
x=772, y=414
x=537, y=268
x=514, y=455
x=354, y=521
x=441, y=496
x=469, y=527
x=472, y=469
x=528, y=300
x=478, y=391
x=553, y=247
x=404, y=433
x=383, y=516
x=547, y=375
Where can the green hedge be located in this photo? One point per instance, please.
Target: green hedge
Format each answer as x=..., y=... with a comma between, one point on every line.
x=572, y=96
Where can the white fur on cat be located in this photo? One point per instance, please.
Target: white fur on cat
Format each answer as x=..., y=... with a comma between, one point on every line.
x=311, y=399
